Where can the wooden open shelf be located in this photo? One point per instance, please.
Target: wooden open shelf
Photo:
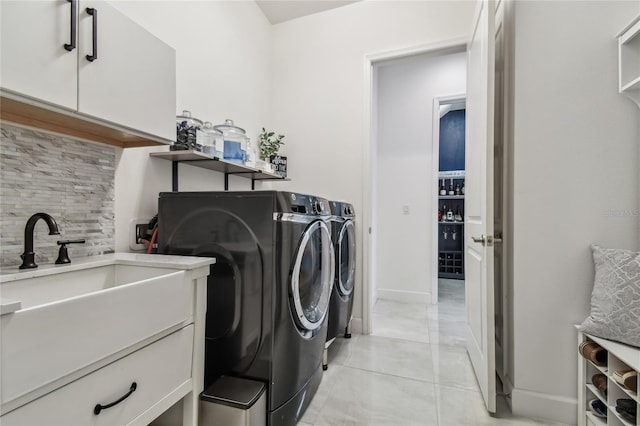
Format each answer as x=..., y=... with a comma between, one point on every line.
x=70, y=123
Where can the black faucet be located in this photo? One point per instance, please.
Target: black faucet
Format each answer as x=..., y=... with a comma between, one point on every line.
x=29, y=257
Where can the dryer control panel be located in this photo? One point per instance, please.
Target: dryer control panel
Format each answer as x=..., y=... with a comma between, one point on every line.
x=340, y=208
x=291, y=202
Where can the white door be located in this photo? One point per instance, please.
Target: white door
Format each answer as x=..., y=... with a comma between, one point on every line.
x=479, y=202
x=39, y=57
x=132, y=80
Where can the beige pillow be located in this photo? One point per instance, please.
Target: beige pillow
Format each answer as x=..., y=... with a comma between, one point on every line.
x=615, y=300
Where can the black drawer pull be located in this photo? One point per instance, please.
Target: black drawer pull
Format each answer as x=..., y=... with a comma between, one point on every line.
x=72, y=45
x=94, y=13
x=98, y=407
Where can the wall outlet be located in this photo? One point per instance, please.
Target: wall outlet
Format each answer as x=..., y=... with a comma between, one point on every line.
x=405, y=209
x=137, y=233
x=141, y=233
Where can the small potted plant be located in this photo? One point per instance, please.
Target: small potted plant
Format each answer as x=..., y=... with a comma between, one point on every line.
x=269, y=144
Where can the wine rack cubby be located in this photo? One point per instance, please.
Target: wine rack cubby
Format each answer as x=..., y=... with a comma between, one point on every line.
x=451, y=264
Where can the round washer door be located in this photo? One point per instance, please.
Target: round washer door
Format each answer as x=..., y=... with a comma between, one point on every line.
x=346, y=258
x=312, y=276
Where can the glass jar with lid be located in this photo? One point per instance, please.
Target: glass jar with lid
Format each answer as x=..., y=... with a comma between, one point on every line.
x=187, y=128
x=250, y=158
x=211, y=140
x=235, y=142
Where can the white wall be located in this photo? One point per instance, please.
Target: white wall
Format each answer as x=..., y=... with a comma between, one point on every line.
x=223, y=51
x=576, y=139
x=303, y=78
x=319, y=88
x=405, y=175
x=575, y=165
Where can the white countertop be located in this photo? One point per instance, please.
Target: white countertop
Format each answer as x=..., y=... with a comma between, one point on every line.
x=151, y=260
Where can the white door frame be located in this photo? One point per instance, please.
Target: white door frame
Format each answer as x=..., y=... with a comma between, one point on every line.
x=369, y=160
x=437, y=102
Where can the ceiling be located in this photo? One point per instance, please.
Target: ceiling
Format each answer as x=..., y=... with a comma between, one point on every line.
x=278, y=11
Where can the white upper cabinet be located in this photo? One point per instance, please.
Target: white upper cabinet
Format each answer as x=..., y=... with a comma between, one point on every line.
x=132, y=81
x=34, y=60
x=129, y=86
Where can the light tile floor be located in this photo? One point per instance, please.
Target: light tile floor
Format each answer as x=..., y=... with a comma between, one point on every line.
x=413, y=370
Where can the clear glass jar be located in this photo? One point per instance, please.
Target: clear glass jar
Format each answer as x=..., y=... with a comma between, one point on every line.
x=187, y=128
x=235, y=142
x=211, y=140
x=251, y=154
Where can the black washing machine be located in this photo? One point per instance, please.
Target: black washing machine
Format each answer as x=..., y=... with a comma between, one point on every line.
x=343, y=235
x=269, y=290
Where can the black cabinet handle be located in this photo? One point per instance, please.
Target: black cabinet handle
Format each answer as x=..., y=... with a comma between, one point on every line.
x=98, y=407
x=94, y=12
x=72, y=45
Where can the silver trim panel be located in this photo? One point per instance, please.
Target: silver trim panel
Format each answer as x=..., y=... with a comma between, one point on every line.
x=327, y=275
x=296, y=217
x=347, y=224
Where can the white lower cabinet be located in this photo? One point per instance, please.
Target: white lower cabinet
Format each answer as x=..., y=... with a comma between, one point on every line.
x=113, y=320
x=79, y=336
x=158, y=370
x=619, y=357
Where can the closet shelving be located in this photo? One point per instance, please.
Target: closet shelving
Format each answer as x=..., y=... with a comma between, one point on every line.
x=451, y=233
x=619, y=357
x=450, y=249
x=629, y=61
x=198, y=159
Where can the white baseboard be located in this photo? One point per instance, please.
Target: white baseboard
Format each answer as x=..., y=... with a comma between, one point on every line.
x=544, y=406
x=404, y=296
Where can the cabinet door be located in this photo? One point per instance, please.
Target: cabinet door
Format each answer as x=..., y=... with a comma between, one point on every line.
x=158, y=370
x=34, y=61
x=132, y=82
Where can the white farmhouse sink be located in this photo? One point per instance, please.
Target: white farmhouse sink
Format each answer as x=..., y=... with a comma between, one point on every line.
x=41, y=290
x=71, y=318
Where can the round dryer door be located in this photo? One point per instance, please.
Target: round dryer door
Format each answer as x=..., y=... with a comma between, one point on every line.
x=346, y=258
x=312, y=277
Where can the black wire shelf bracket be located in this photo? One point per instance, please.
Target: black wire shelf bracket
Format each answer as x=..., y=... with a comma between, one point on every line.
x=198, y=159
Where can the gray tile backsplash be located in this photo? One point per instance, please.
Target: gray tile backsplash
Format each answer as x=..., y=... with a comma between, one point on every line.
x=71, y=180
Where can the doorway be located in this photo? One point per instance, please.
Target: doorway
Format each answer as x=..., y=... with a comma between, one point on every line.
x=448, y=162
x=401, y=195
x=483, y=308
